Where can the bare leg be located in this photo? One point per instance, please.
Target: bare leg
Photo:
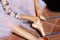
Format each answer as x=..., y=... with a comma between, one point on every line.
x=38, y=10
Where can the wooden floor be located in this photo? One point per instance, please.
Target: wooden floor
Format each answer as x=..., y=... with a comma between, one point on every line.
x=49, y=26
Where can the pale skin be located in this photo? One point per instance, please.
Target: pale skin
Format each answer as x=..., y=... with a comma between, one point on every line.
x=18, y=30
x=38, y=10
x=37, y=24
x=21, y=32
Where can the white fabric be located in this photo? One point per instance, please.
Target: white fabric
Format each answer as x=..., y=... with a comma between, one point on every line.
x=4, y=31
x=25, y=6
x=21, y=7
